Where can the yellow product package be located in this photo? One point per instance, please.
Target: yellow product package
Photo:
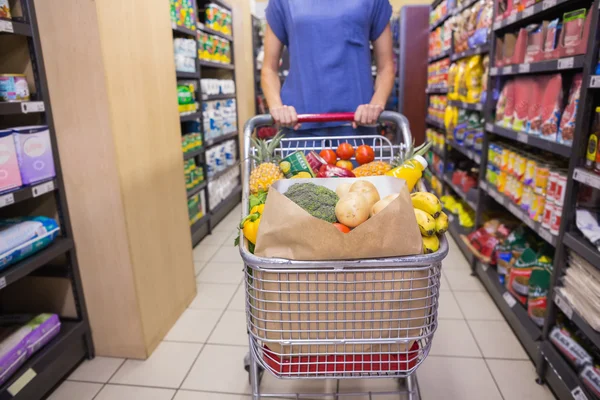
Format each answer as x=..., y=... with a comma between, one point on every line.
x=452, y=88
x=460, y=81
x=473, y=78
x=450, y=118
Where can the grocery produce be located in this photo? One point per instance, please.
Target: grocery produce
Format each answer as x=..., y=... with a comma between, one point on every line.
x=314, y=161
x=342, y=189
x=374, y=168
x=267, y=172
x=383, y=203
x=431, y=244
x=427, y=202
x=316, y=200
x=441, y=223
x=331, y=171
x=364, y=154
x=352, y=210
x=345, y=151
x=341, y=227
x=329, y=156
x=302, y=175
x=345, y=164
x=368, y=190
x=297, y=162
x=426, y=223
x=249, y=225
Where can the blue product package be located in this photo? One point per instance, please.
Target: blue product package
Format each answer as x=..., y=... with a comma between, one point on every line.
x=21, y=237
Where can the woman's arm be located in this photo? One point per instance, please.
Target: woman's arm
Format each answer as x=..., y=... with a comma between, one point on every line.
x=283, y=115
x=367, y=114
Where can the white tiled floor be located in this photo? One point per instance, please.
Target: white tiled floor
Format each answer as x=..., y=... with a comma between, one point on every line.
x=474, y=354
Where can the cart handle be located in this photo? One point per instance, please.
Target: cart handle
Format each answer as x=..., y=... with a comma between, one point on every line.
x=332, y=117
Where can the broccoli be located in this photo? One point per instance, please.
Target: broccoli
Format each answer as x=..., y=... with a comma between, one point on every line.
x=316, y=200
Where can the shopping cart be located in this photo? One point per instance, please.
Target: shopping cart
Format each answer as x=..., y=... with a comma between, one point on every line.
x=368, y=318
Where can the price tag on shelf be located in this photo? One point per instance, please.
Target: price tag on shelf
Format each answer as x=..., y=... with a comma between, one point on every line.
x=595, y=81
x=6, y=26
x=484, y=267
x=564, y=305
x=497, y=196
x=522, y=137
x=2, y=283
x=528, y=12
x=546, y=4
x=32, y=106
x=509, y=299
x=586, y=177
x=43, y=188
x=578, y=394
x=489, y=126
x=524, y=68
x=7, y=200
x=477, y=158
x=546, y=235
x=494, y=71
x=567, y=62
x=470, y=154
x=478, y=106
x=21, y=382
x=511, y=19
x=507, y=69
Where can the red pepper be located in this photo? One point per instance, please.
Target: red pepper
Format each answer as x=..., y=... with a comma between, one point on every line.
x=331, y=171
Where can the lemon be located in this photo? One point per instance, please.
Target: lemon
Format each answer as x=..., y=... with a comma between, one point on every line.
x=285, y=167
x=302, y=174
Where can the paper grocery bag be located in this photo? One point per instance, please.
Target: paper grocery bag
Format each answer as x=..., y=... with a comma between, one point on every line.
x=287, y=231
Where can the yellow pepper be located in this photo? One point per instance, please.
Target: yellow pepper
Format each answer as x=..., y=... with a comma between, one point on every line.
x=251, y=222
x=257, y=209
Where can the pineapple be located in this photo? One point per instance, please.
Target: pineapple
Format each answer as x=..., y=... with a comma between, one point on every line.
x=267, y=171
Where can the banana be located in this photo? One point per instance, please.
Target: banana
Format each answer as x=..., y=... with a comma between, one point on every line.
x=426, y=222
x=427, y=202
x=430, y=244
x=441, y=223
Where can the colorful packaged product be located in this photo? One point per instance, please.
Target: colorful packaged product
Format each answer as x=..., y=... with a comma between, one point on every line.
x=551, y=108
x=34, y=153
x=10, y=177
x=5, y=9
x=13, y=87
x=523, y=92
x=567, y=123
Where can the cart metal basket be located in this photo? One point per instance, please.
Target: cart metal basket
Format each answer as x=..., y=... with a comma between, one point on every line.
x=368, y=318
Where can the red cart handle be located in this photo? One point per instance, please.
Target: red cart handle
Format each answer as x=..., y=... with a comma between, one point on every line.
x=332, y=117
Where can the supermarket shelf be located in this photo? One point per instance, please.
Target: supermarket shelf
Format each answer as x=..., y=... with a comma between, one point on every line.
x=32, y=263
x=459, y=192
x=221, y=173
x=196, y=190
x=533, y=12
x=530, y=140
x=440, y=22
x=211, y=64
x=187, y=75
x=434, y=123
x=443, y=54
x=216, y=33
x=192, y=154
x=22, y=107
x=222, y=138
x=466, y=106
x=8, y=26
x=456, y=231
x=209, y=97
x=190, y=117
x=560, y=376
x=483, y=49
x=436, y=90
x=580, y=175
x=200, y=223
x=458, y=10
x=51, y=364
x=515, y=314
x=222, y=4
x=581, y=323
x=224, y=207
x=561, y=64
x=518, y=213
x=594, y=82
x=27, y=192
x=470, y=154
x=184, y=30
x=439, y=152
x=435, y=173
x=580, y=245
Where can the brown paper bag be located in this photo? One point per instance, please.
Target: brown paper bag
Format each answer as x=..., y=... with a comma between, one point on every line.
x=287, y=231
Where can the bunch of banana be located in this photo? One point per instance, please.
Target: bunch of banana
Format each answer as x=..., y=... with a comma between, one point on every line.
x=432, y=221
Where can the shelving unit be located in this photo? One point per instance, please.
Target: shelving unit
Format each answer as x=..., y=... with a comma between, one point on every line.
x=214, y=213
x=551, y=366
x=55, y=361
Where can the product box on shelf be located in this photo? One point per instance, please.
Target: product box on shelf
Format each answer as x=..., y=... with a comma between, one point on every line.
x=34, y=153
x=10, y=176
x=182, y=13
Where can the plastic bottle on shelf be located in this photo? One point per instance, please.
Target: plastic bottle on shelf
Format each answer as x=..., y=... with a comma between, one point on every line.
x=591, y=156
x=411, y=171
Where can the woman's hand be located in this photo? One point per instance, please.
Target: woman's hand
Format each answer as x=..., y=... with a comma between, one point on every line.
x=285, y=117
x=367, y=114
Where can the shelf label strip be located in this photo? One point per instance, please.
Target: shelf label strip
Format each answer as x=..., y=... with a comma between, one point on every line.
x=578, y=394
x=547, y=236
x=546, y=4
x=32, y=106
x=586, y=177
x=595, y=81
x=7, y=200
x=20, y=383
x=6, y=26
x=567, y=62
x=564, y=306
x=43, y=188
x=510, y=300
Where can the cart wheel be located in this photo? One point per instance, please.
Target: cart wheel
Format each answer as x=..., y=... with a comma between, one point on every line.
x=261, y=370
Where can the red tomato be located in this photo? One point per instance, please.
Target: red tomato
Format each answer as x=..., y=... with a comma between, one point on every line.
x=345, y=164
x=364, y=154
x=345, y=151
x=329, y=156
x=341, y=227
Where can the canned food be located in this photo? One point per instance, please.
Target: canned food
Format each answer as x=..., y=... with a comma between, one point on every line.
x=510, y=165
x=505, y=155
x=530, y=168
x=527, y=199
x=555, y=220
x=542, y=172
x=536, y=212
x=502, y=179
x=13, y=87
x=547, y=217
x=519, y=168
x=561, y=188
x=551, y=187
x=518, y=191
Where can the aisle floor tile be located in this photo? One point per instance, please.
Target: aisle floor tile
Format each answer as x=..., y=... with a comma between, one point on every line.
x=121, y=392
x=190, y=395
x=351, y=386
x=270, y=384
x=194, y=326
x=221, y=272
x=462, y=281
x=453, y=338
x=166, y=367
x=69, y=390
x=229, y=254
x=204, y=252
x=448, y=307
x=478, y=306
x=99, y=370
x=231, y=329
x=199, y=266
x=215, y=238
x=239, y=299
x=516, y=380
x=213, y=296
x=497, y=340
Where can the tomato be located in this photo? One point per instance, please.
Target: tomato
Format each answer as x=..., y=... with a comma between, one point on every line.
x=341, y=227
x=345, y=164
x=364, y=154
x=329, y=156
x=345, y=151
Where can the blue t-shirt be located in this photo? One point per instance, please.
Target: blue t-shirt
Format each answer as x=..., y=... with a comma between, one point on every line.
x=328, y=42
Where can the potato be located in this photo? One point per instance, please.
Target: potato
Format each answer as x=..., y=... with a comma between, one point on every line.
x=342, y=189
x=352, y=210
x=368, y=190
x=383, y=203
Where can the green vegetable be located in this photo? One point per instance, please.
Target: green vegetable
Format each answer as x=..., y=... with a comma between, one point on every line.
x=316, y=200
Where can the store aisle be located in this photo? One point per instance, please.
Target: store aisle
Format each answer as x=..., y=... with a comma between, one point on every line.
x=474, y=354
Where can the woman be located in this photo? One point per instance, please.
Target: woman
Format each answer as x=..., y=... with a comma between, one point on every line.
x=330, y=61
